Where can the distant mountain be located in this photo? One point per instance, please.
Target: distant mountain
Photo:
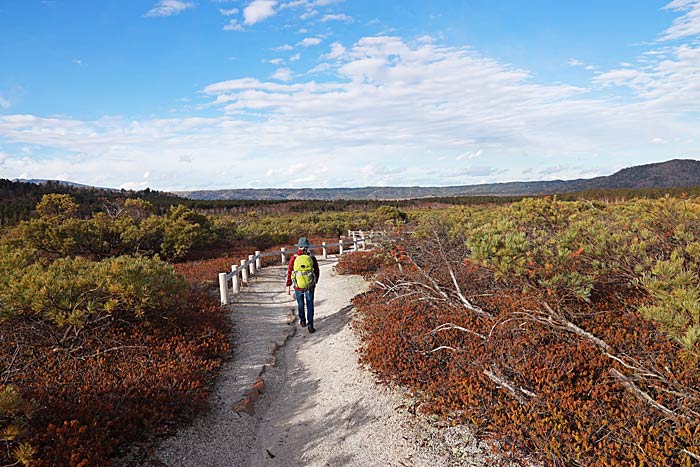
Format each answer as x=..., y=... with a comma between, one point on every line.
x=677, y=173
x=39, y=181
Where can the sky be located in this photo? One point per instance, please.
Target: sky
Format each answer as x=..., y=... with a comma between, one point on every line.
x=214, y=94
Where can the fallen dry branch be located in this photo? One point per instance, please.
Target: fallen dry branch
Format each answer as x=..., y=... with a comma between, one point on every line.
x=450, y=326
x=519, y=393
x=641, y=395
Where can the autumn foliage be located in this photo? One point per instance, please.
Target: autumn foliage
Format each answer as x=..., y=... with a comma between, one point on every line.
x=101, y=390
x=362, y=262
x=562, y=331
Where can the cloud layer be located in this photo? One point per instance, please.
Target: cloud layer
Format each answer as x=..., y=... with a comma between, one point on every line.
x=169, y=8
x=382, y=110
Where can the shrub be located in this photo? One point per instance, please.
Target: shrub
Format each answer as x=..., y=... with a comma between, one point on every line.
x=14, y=413
x=73, y=291
x=361, y=262
x=588, y=380
x=114, y=386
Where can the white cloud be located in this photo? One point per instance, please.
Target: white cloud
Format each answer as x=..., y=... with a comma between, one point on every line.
x=3, y=158
x=666, y=81
x=338, y=17
x=169, y=8
x=135, y=186
x=686, y=25
x=259, y=10
x=233, y=25
x=4, y=103
x=282, y=74
x=308, y=14
x=469, y=155
x=309, y=41
x=575, y=62
x=283, y=48
x=337, y=51
x=388, y=111
x=276, y=61
x=320, y=68
x=295, y=57
x=229, y=12
x=77, y=61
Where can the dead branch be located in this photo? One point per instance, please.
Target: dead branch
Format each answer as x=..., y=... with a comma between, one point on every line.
x=458, y=290
x=556, y=320
x=639, y=394
x=690, y=454
x=518, y=393
x=450, y=326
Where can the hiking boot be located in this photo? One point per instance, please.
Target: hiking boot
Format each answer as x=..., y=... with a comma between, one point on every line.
x=302, y=323
x=312, y=328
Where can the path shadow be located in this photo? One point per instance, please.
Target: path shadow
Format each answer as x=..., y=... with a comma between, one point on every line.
x=303, y=435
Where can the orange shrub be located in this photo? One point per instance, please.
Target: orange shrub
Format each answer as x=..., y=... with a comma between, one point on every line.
x=114, y=386
x=361, y=262
x=579, y=414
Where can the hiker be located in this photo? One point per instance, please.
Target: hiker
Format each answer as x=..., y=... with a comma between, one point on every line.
x=303, y=273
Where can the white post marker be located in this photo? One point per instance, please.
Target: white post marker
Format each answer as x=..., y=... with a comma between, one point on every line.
x=258, y=260
x=340, y=246
x=251, y=261
x=244, y=271
x=325, y=250
x=223, y=288
x=284, y=258
x=362, y=240
x=235, y=279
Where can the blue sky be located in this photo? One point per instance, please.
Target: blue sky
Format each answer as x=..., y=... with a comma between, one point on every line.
x=195, y=94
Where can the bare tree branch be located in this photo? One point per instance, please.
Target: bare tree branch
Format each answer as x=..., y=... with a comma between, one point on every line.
x=518, y=393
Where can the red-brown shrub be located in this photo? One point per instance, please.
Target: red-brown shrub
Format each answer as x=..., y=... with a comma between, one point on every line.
x=581, y=415
x=361, y=262
x=109, y=387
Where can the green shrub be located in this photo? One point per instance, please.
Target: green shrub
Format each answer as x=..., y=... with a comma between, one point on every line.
x=72, y=291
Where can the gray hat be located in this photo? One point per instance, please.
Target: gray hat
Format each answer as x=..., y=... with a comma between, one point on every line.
x=303, y=243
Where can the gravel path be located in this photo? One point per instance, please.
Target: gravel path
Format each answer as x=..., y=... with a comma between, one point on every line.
x=290, y=398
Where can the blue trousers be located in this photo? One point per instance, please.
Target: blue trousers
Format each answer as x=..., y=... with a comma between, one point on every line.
x=308, y=296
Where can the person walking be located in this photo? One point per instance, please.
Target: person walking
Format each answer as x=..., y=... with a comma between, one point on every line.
x=303, y=273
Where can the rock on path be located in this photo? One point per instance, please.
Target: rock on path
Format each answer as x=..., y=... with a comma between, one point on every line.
x=289, y=398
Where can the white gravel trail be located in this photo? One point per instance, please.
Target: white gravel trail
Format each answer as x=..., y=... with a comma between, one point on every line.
x=319, y=407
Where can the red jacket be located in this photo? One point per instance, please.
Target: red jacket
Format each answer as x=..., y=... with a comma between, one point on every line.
x=317, y=271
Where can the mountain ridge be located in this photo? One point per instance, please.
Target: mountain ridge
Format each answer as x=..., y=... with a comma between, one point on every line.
x=675, y=173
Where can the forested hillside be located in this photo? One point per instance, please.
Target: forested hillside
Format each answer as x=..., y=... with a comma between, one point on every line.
x=678, y=173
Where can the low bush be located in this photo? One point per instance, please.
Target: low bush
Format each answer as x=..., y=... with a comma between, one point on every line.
x=76, y=291
x=567, y=406
x=567, y=331
x=112, y=387
x=361, y=262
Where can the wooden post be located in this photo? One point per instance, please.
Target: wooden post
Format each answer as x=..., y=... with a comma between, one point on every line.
x=258, y=260
x=251, y=265
x=340, y=247
x=362, y=240
x=244, y=271
x=223, y=288
x=325, y=250
x=284, y=258
x=235, y=279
